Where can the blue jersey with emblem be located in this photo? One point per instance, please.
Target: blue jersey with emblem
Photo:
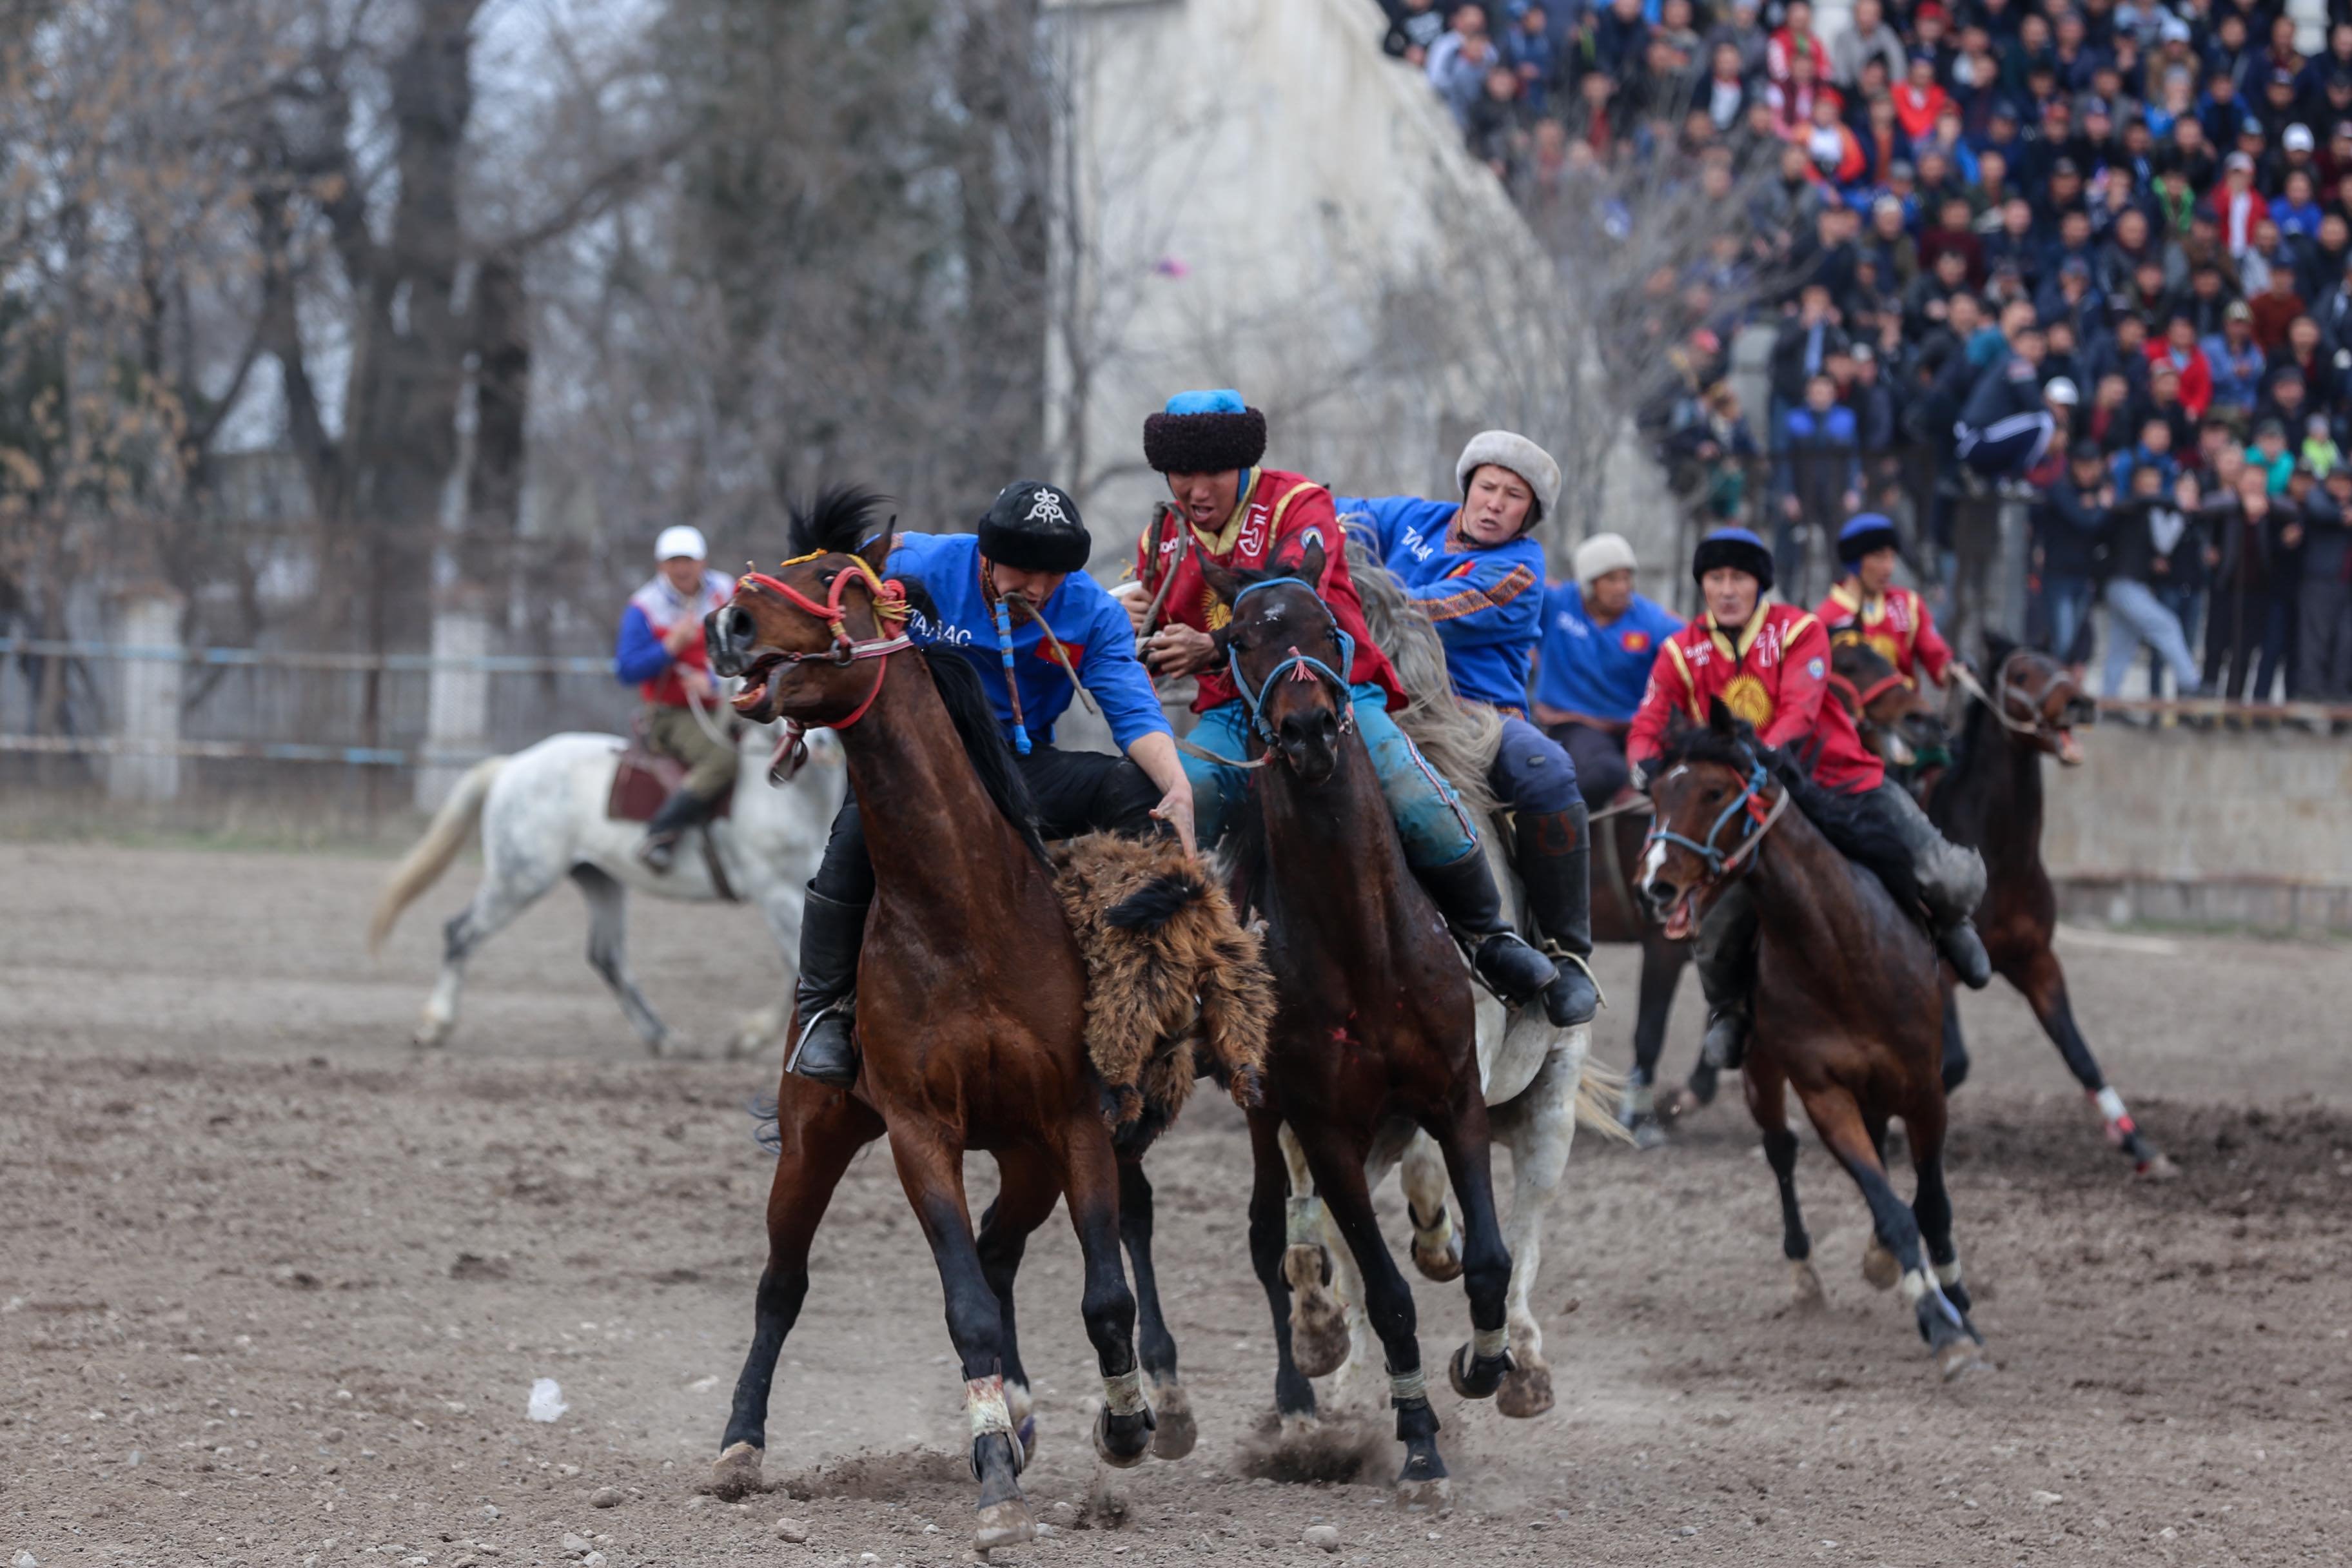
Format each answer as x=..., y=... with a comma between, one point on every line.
x=1487, y=603
x=1599, y=670
x=1093, y=626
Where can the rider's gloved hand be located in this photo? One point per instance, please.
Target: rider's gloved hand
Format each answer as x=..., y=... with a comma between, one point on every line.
x=1640, y=778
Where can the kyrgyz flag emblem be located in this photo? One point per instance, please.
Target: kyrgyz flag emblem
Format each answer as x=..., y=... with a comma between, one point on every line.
x=1634, y=642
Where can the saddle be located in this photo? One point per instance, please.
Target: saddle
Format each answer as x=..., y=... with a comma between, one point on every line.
x=642, y=780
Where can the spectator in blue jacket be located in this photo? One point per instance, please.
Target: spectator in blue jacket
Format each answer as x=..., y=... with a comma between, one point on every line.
x=1600, y=639
x=1473, y=567
x=1819, y=475
x=2237, y=361
x=2068, y=521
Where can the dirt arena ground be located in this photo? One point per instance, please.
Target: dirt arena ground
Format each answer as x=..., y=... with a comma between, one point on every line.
x=274, y=1286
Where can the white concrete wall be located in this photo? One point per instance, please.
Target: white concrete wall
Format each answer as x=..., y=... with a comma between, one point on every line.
x=2196, y=805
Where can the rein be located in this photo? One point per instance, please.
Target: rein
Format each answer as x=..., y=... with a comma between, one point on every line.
x=1720, y=863
x=1296, y=664
x=1865, y=696
x=889, y=596
x=1969, y=684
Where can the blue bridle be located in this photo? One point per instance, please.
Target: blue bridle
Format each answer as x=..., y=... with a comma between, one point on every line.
x=1718, y=860
x=1253, y=702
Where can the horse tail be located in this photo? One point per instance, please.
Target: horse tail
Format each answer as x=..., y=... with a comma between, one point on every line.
x=423, y=865
x=1598, y=1090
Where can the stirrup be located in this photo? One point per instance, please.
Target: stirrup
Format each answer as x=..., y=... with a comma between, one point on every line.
x=659, y=851
x=840, y=1008
x=1561, y=955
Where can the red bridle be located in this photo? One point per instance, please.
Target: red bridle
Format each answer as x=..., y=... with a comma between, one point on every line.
x=890, y=605
x=1864, y=698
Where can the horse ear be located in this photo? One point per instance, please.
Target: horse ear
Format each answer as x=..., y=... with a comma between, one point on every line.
x=1720, y=720
x=1222, y=583
x=1311, y=563
x=876, y=551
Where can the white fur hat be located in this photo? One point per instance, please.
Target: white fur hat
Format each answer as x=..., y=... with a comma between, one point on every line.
x=1601, y=554
x=1506, y=449
x=681, y=540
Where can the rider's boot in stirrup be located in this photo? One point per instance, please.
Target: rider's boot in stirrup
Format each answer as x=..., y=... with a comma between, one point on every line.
x=1555, y=857
x=1726, y=1041
x=1960, y=943
x=1466, y=895
x=682, y=810
x=831, y=933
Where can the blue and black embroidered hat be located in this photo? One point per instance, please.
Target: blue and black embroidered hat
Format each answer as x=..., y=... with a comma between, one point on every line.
x=1204, y=433
x=1865, y=534
x=1737, y=549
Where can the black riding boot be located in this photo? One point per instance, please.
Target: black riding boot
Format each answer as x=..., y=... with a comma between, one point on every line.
x=1466, y=895
x=1725, y=952
x=831, y=934
x=1555, y=856
x=1960, y=943
x=682, y=810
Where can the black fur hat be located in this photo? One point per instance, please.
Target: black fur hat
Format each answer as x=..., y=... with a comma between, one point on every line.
x=1204, y=433
x=1736, y=548
x=1033, y=526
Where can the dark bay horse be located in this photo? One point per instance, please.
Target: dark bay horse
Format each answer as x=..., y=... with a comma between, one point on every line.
x=1990, y=800
x=1895, y=717
x=1847, y=1005
x=1375, y=1023
x=1618, y=917
x=972, y=1002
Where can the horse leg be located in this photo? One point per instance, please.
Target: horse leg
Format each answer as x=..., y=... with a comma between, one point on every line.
x=2039, y=976
x=1436, y=1245
x=1539, y=1127
x=1838, y=1120
x=1361, y=1382
x=1478, y=1368
x=1123, y=1428
x=1025, y=1196
x=1767, y=1090
x=1155, y=1346
x=1294, y=1396
x=932, y=1175
x=1956, y=1048
x=1661, y=970
x=1388, y=1300
x=608, y=952
x=1931, y=1206
x=819, y=1135
x=505, y=892
x=1318, y=1323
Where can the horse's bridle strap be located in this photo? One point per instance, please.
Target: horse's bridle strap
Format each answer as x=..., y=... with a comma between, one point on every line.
x=1299, y=665
x=1720, y=863
x=889, y=597
x=2000, y=705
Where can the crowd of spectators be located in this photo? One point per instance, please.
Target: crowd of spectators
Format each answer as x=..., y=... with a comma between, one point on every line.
x=2088, y=255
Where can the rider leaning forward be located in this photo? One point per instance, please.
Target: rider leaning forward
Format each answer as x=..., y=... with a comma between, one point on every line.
x=1867, y=606
x=1230, y=510
x=1769, y=665
x=1019, y=583
x=660, y=652
x=1476, y=569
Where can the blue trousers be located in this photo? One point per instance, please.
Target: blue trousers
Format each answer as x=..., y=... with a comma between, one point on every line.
x=2009, y=446
x=1428, y=812
x=1532, y=771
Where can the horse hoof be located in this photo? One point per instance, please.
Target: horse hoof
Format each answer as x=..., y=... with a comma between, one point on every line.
x=1805, y=1286
x=1005, y=1523
x=2157, y=1167
x=1446, y=1264
x=736, y=1472
x=1477, y=1377
x=1021, y=1408
x=1319, y=1328
x=1177, y=1432
x=1428, y=1491
x=1681, y=1103
x=1123, y=1442
x=1648, y=1134
x=1879, y=1268
x=430, y=1036
x=1526, y=1391
x=1963, y=1357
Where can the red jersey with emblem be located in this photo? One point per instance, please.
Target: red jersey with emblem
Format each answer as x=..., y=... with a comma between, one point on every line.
x=1895, y=626
x=1775, y=675
x=1277, y=517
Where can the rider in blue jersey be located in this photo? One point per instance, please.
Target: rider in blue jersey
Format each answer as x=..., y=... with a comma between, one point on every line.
x=1029, y=561
x=1473, y=565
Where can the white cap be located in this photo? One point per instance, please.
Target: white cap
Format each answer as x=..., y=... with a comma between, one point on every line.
x=2061, y=392
x=1601, y=554
x=681, y=539
x=2297, y=138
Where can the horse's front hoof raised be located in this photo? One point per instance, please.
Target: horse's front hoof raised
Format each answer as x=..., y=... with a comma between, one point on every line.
x=1005, y=1523
x=1476, y=1376
x=1526, y=1391
x=1176, y=1433
x=1319, y=1328
x=1879, y=1269
x=1123, y=1442
x=736, y=1472
x=1436, y=1249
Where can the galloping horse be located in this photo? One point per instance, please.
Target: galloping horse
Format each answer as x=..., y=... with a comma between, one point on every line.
x=1989, y=800
x=972, y=1001
x=542, y=817
x=1847, y=999
x=1374, y=1024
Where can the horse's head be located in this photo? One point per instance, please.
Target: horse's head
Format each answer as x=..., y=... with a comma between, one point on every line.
x=799, y=636
x=1290, y=661
x=2038, y=699
x=1896, y=721
x=1709, y=798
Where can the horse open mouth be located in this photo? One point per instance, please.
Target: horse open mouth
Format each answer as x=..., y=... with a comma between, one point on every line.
x=753, y=700
x=2070, y=750
x=1680, y=915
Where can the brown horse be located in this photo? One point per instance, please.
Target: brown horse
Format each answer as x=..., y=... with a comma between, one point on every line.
x=1618, y=917
x=1847, y=998
x=1895, y=717
x=1374, y=1024
x=1989, y=800
x=972, y=1002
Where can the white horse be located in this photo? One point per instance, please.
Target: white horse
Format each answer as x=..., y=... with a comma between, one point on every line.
x=543, y=816
x=1539, y=1084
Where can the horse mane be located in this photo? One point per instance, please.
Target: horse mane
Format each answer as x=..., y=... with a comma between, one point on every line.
x=1458, y=738
x=839, y=520
x=1849, y=820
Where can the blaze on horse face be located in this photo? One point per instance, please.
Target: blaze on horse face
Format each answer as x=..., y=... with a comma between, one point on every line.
x=780, y=649
x=1275, y=624
x=1689, y=799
